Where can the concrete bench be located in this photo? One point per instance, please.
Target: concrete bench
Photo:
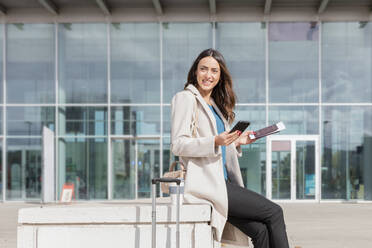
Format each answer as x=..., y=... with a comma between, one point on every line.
x=111, y=225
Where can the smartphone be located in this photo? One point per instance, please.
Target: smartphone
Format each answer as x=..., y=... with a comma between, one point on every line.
x=241, y=126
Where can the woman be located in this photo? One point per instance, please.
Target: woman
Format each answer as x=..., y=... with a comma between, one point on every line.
x=201, y=115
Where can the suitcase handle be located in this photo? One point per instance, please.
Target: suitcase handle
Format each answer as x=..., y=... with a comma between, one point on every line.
x=153, y=212
x=166, y=180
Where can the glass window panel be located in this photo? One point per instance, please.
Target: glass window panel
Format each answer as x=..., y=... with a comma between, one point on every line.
x=124, y=168
x=168, y=156
x=305, y=170
x=253, y=166
x=281, y=170
x=167, y=122
x=1, y=63
x=30, y=63
x=297, y=119
x=346, y=62
x=1, y=170
x=346, y=152
x=1, y=121
x=135, y=63
x=254, y=114
x=83, y=162
x=182, y=43
x=82, y=62
x=243, y=47
x=133, y=158
x=148, y=165
x=253, y=161
x=28, y=121
x=81, y=121
x=132, y=120
x=24, y=160
x=293, y=62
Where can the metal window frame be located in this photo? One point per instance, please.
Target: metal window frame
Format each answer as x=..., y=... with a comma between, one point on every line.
x=267, y=57
x=4, y=169
x=160, y=23
x=320, y=124
x=56, y=131
x=109, y=159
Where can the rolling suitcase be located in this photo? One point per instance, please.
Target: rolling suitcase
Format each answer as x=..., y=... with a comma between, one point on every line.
x=153, y=212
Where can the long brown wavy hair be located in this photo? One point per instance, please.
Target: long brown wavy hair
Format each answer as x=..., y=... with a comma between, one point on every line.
x=222, y=94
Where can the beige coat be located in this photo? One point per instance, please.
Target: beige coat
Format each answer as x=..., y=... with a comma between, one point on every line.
x=205, y=181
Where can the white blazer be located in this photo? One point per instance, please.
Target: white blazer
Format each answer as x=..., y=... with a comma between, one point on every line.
x=204, y=182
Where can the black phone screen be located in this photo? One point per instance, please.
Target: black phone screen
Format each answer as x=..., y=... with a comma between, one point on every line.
x=241, y=126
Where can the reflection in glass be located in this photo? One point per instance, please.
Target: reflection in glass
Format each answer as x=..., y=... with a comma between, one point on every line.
x=297, y=119
x=305, y=170
x=124, y=169
x=182, y=43
x=167, y=122
x=133, y=158
x=255, y=114
x=148, y=165
x=1, y=171
x=293, y=62
x=28, y=121
x=346, y=62
x=253, y=162
x=281, y=169
x=168, y=156
x=135, y=63
x=23, y=170
x=243, y=47
x=30, y=63
x=131, y=120
x=82, y=62
x=346, y=151
x=83, y=162
x=1, y=121
x=1, y=63
x=82, y=121
x=253, y=166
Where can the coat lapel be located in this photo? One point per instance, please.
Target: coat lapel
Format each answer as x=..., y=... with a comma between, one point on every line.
x=196, y=92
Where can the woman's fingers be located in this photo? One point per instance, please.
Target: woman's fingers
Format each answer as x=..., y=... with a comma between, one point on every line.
x=248, y=139
x=229, y=135
x=232, y=137
x=227, y=138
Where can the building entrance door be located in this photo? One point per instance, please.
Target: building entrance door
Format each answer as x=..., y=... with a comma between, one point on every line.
x=134, y=161
x=293, y=170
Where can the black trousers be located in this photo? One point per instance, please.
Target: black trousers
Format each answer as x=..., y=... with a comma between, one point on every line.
x=256, y=216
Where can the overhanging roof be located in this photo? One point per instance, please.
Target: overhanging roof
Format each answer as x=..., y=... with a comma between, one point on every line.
x=187, y=10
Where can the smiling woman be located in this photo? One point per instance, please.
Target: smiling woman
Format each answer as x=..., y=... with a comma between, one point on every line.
x=211, y=157
x=207, y=71
x=207, y=75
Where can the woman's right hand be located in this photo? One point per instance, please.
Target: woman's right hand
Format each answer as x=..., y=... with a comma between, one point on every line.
x=226, y=138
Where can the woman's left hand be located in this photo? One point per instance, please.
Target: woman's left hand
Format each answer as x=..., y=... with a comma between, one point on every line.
x=244, y=139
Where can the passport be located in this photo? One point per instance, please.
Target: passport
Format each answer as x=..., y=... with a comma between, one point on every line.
x=267, y=131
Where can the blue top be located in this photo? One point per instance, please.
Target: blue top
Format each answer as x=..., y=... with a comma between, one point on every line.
x=220, y=129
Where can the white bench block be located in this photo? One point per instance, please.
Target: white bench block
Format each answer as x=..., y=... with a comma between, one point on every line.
x=97, y=225
x=125, y=214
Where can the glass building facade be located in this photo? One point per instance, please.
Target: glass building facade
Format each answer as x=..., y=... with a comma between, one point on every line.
x=105, y=91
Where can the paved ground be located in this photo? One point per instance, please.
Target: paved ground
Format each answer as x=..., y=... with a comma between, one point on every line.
x=341, y=225
x=309, y=225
